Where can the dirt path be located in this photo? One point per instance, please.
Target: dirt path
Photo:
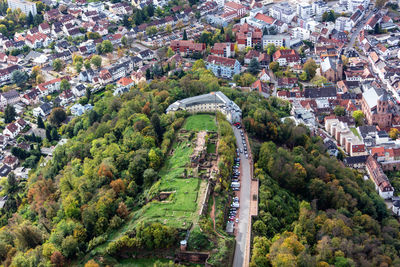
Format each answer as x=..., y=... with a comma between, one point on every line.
x=212, y=215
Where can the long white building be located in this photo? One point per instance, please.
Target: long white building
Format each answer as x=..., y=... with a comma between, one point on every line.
x=25, y=6
x=214, y=101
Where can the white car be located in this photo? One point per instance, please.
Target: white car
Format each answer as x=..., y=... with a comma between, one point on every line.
x=237, y=220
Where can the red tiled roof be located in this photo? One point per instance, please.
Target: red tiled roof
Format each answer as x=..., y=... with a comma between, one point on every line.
x=221, y=60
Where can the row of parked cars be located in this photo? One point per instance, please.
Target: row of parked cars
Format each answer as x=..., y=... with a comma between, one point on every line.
x=233, y=211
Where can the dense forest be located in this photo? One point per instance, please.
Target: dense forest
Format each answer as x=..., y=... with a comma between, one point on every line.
x=316, y=212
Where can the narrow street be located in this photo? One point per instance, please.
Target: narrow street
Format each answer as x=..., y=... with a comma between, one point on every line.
x=358, y=29
x=242, y=229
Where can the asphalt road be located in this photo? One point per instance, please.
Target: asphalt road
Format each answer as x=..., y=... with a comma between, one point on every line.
x=244, y=211
x=360, y=26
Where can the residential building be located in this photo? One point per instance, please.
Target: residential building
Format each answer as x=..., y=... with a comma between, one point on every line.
x=223, y=49
x=286, y=57
x=187, y=47
x=282, y=11
x=26, y=7
x=239, y=9
x=222, y=66
x=376, y=174
x=9, y=98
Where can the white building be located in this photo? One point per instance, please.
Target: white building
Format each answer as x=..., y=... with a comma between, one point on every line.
x=319, y=7
x=282, y=11
x=278, y=40
x=352, y=5
x=25, y=6
x=95, y=6
x=343, y=24
x=301, y=33
x=209, y=103
x=304, y=10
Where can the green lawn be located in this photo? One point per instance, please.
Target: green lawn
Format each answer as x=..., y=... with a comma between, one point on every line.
x=211, y=148
x=179, y=210
x=200, y=122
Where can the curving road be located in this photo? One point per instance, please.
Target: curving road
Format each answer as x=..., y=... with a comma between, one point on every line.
x=242, y=232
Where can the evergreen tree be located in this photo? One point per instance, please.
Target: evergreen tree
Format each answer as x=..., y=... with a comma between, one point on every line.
x=148, y=74
x=9, y=114
x=254, y=66
x=29, y=19
x=184, y=35
x=40, y=123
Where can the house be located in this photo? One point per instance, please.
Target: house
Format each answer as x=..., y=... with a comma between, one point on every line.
x=146, y=54
x=11, y=161
x=263, y=76
x=187, y=47
x=355, y=162
x=9, y=98
x=12, y=130
x=44, y=28
x=31, y=97
x=78, y=109
x=287, y=82
x=376, y=174
x=286, y=57
x=50, y=86
x=3, y=141
x=223, y=49
x=261, y=87
x=222, y=66
x=239, y=9
x=37, y=40
x=43, y=110
x=21, y=123
x=6, y=73
x=79, y=90
x=326, y=92
x=123, y=85
x=250, y=55
x=66, y=97
x=264, y=60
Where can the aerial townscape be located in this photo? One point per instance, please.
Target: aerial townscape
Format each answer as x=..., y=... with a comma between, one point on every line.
x=199, y=133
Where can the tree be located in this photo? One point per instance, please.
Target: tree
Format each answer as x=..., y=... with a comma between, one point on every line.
x=358, y=116
x=170, y=52
x=271, y=49
x=19, y=77
x=58, y=65
x=9, y=114
x=394, y=133
x=40, y=123
x=184, y=35
x=148, y=74
x=274, y=66
x=57, y=116
x=254, y=66
x=78, y=67
x=329, y=16
x=91, y=263
x=124, y=41
x=319, y=80
x=339, y=111
x=96, y=61
x=87, y=64
x=310, y=68
x=380, y=3
x=64, y=85
x=29, y=19
x=106, y=46
x=12, y=184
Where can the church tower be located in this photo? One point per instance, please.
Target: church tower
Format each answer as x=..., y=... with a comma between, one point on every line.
x=339, y=69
